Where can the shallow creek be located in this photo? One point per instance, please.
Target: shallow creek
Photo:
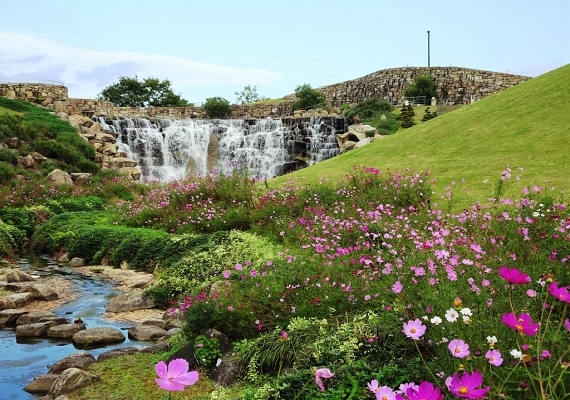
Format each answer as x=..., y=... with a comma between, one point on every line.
x=22, y=360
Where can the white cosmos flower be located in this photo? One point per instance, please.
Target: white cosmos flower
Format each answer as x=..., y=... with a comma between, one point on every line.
x=451, y=315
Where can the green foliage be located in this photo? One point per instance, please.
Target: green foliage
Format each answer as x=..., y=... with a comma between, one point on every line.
x=307, y=98
x=206, y=350
x=217, y=107
x=149, y=92
x=424, y=85
x=7, y=171
x=22, y=218
x=11, y=240
x=249, y=95
x=406, y=116
x=428, y=115
x=8, y=156
x=367, y=109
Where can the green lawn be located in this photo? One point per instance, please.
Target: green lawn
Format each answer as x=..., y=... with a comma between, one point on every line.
x=524, y=126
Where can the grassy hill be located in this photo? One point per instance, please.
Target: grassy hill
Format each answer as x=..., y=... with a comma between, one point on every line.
x=524, y=126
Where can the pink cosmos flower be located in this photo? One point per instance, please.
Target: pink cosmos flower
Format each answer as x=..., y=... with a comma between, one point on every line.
x=522, y=323
x=322, y=373
x=495, y=358
x=284, y=335
x=465, y=386
x=414, y=329
x=458, y=348
x=175, y=376
x=397, y=287
x=567, y=323
x=381, y=392
x=561, y=294
x=513, y=275
x=426, y=391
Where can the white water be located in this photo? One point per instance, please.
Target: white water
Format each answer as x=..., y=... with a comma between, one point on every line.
x=163, y=149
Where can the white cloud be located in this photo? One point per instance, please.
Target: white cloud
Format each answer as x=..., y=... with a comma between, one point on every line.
x=87, y=72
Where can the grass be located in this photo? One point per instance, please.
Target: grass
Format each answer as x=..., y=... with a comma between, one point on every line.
x=524, y=126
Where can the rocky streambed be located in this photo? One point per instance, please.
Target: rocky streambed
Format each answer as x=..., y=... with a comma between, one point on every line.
x=53, y=315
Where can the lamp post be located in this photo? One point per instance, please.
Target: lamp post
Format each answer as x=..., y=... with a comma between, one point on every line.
x=428, y=48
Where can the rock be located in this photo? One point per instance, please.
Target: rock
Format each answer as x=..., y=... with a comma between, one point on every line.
x=146, y=333
x=98, y=336
x=76, y=262
x=41, y=384
x=131, y=301
x=38, y=158
x=64, y=258
x=43, y=292
x=226, y=372
x=36, y=316
x=63, y=115
x=173, y=331
x=225, y=342
x=362, y=142
x=120, y=162
x=6, y=304
x=20, y=299
x=12, y=142
x=80, y=177
x=133, y=172
x=71, y=379
x=59, y=177
x=56, y=319
x=157, y=348
x=173, y=323
x=65, y=331
x=346, y=146
x=116, y=353
x=25, y=161
x=33, y=330
x=78, y=360
x=17, y=275
x=161, y=323
x=10, y=316
x=19, y=287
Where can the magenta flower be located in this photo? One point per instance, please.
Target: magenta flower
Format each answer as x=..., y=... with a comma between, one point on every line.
x=561, y=294
x=322, y=373
x=465, y=386
x=567, y=323
x=522, y=323
x=381, y=392
x=513, y=275
x=458, y=348
x=176, y=375
x=397, y=287
x=495, y=358
x=426, y=391
x=414, y=329
x=284, y=335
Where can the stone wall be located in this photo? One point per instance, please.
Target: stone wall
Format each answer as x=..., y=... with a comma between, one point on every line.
x=454, y=85
x=33, y=92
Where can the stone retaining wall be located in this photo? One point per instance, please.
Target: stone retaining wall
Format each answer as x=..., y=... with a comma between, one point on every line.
x=33, y=92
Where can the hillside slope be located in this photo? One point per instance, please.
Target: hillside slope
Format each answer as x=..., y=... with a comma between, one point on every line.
x=525, y=126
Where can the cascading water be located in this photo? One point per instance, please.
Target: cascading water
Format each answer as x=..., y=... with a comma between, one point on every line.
x=171, y=149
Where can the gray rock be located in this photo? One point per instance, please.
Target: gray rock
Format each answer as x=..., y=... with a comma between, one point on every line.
x=226, y=372
x=98, y=336
x=116, y=353
x=43, y=292
x=59, y=177
x=64, y=258
x=65, y=331
x=10, y=316
x=20, y=299
x=131, y=301
x=41, y=384
x=33, y=330
x=146, y=333
x=157, y=348
x=19, y=287
x=155, y=322
x=76, y=262
x=17, y=275
x=36, y=316
x=56, y=319
x=71, y=379
x=6, y=304
x=78, y=360
x=173, y=331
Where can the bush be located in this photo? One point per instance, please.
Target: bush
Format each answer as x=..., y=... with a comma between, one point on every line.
x=11, y=240
x=8, y=156
x=308, y=98
x=424, y=85
x=7, y=171
x=217, y=107
x=367, y=109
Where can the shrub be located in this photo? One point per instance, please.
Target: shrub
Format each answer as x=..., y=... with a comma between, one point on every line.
x=423, y=85
x=308, y=98
x=8, y=156
x=11, y=240
x=368, y=109
x=217, y=107
x=7, y=171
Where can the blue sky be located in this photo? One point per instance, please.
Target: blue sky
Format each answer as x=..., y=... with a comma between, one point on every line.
x=216, y=47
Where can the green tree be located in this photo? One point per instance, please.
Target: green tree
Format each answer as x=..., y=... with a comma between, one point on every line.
x=217, y=107
x=249, y=95
x=307, y=98
x=424, y=85
x=407, y=116
x=149, y=92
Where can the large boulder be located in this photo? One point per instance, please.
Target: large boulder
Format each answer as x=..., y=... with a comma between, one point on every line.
x=34, y=330
x=59, y=177
x=76, y=262
x=32, y=317
x=78, y=360
x=226, y=372
x=131, y=301
x=17, y=275
x=98, y=336
x=43, y=292
x=65, y=331
x=116, y=353
x=71, y=379
x=41, y=384
x=10, y=316
x=20, y=299
x=6, y=304
x=146, y=333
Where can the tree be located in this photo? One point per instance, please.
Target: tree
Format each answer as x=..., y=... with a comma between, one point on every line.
x=249, y=95
x=217, y=107
x=307, y=98
x=424, y=85
x=406, y=116
x=132, y=92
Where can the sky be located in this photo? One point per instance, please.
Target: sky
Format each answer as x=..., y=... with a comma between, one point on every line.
x=214, y=48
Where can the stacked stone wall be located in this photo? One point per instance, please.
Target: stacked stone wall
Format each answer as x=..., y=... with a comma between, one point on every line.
x=33, y=92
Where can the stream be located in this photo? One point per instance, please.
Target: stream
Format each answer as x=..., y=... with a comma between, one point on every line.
x=22, y=360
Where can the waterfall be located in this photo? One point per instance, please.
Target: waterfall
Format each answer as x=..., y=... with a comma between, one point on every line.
x=171, y=149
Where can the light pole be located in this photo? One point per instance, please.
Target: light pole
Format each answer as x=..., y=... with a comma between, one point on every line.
x=428, y=48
